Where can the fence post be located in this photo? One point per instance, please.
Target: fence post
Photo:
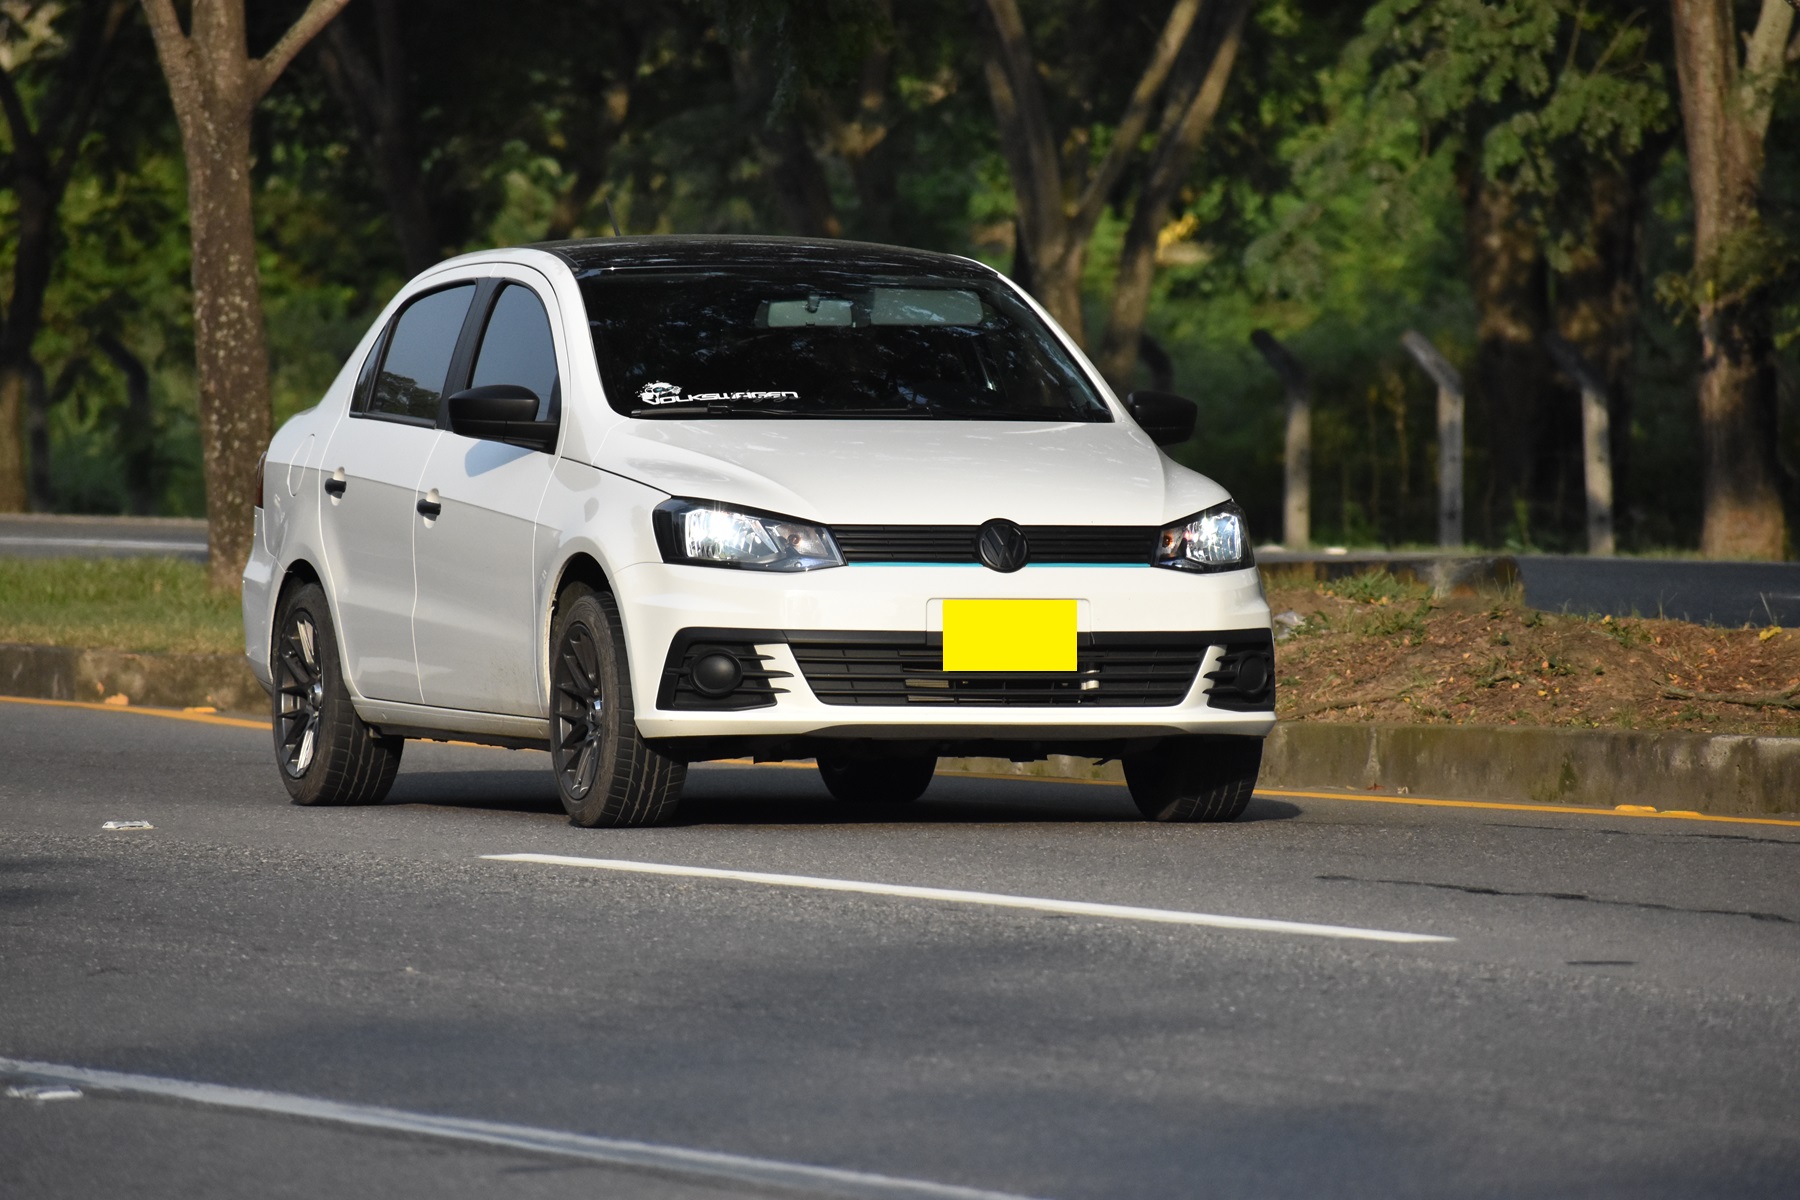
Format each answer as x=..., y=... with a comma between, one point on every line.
x=1296, y=506
x=1596, y=442
x=1450, y=434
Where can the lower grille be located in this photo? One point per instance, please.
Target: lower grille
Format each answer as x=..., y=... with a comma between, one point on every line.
x=1137, y=670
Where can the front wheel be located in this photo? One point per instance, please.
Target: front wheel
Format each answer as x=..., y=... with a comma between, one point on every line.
x=605, y=771
x=877, y=780
x=327, y=755
x=1195, y=778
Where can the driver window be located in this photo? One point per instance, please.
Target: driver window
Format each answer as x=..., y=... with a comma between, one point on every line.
x=517, y=347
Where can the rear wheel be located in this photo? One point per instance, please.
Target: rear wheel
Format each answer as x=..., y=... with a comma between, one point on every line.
x=877, y=780
x=1195, y=778
x=605, y=771
x=327, y=755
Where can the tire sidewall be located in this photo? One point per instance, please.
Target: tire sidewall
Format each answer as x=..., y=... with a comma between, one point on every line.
x=587, y=610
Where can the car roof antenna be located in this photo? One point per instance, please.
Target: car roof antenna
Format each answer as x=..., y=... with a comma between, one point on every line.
x=612, y=218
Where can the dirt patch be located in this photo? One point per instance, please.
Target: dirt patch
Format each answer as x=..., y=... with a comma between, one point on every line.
x=1374, y=648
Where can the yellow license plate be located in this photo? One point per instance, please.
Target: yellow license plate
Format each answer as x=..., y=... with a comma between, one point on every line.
x=1009, y=635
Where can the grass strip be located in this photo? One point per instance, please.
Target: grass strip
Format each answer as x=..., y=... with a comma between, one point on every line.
x=146, y=605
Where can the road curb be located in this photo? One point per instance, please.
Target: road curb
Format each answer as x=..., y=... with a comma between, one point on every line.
x=221, y=681
x=1721, y=774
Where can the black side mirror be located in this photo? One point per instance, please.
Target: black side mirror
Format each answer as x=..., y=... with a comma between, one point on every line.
x=503, y=412
x=1167, y=418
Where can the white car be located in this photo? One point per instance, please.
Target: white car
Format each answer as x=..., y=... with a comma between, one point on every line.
x=641, y=502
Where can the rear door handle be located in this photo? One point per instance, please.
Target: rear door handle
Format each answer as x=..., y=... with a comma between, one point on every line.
x=335, y=487
x=428, y=508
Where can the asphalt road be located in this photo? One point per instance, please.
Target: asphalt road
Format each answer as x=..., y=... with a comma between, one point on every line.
x=1617, y=1015
x=38, y=535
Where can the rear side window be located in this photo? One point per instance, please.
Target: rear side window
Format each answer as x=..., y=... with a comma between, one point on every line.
x=517, y=347
x=413, y=370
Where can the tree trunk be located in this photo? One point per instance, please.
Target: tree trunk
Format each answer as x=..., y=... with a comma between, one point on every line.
x=13, y=495
x=1059, y=203
x=1725, y=110
x=215, y=87
x=229, y=342
x=1507, y=275
x=1188, y=115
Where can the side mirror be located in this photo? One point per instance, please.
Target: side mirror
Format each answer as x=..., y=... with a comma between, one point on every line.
x=503, y=412
x=1167, y=418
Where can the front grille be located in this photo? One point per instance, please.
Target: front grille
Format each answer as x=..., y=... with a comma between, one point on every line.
x=956, y=543
x=1139, y=670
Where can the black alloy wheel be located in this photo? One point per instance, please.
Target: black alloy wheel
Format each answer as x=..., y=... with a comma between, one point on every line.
x=326, y=753
x=606, y=773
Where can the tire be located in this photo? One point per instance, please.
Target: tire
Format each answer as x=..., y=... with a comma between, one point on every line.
x=1195, y=778
x=877, y=780
x=325, y=753
x=605, y=772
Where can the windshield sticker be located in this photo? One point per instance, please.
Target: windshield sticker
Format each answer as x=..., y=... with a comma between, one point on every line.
x=667, y=393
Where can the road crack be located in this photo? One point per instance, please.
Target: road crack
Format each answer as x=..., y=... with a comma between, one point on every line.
x=1583, y=897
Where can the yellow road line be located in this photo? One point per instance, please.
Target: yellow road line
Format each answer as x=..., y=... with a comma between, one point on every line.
x=1363, y=798
x=1569, y=809
x=1357, y=797
x=173, y=714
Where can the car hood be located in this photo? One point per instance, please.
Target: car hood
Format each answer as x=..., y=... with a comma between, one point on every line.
x=915, y=472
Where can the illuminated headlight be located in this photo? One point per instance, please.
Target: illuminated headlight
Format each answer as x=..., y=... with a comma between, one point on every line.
x=704, y=534
x=1214, y=540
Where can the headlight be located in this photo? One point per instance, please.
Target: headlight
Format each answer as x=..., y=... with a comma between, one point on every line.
x=701, y=533
x=1214, y=540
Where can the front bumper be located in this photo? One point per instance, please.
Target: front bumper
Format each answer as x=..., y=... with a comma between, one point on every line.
x=661, y=604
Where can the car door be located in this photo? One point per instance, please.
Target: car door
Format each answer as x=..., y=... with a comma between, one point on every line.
x=370, y=473
x=475, y=623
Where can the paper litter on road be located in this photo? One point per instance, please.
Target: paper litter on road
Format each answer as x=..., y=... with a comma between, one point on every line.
x=127, y=825
x=43, y=1091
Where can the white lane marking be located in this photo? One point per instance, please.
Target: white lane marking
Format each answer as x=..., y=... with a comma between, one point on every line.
x=102, y=543
x=738, y=1168
x=1080, y=908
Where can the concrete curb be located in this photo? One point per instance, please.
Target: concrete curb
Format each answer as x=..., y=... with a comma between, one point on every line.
x=221, y=681
x=1719, y=774
x=1727, y=775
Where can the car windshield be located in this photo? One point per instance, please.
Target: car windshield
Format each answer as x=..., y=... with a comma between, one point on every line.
x=813, y=343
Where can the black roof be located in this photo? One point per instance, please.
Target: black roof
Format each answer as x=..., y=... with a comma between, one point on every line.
x=719, y=250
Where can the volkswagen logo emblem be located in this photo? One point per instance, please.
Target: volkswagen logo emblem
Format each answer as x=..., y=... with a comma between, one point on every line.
x=1001, y=545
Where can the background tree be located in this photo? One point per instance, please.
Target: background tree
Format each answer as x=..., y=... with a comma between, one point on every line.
x=1545, y=115
x=69, y=51
x=215, y=86
x=1727, y=99
x=1061, y=180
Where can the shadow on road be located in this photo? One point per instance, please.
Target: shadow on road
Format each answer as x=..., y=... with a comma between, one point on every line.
x=741, y=795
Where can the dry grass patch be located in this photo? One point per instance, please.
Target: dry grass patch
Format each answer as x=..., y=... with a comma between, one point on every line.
x=1373, y=648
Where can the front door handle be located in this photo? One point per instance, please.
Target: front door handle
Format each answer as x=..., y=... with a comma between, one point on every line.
x=429, y=509
x=335, y=487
